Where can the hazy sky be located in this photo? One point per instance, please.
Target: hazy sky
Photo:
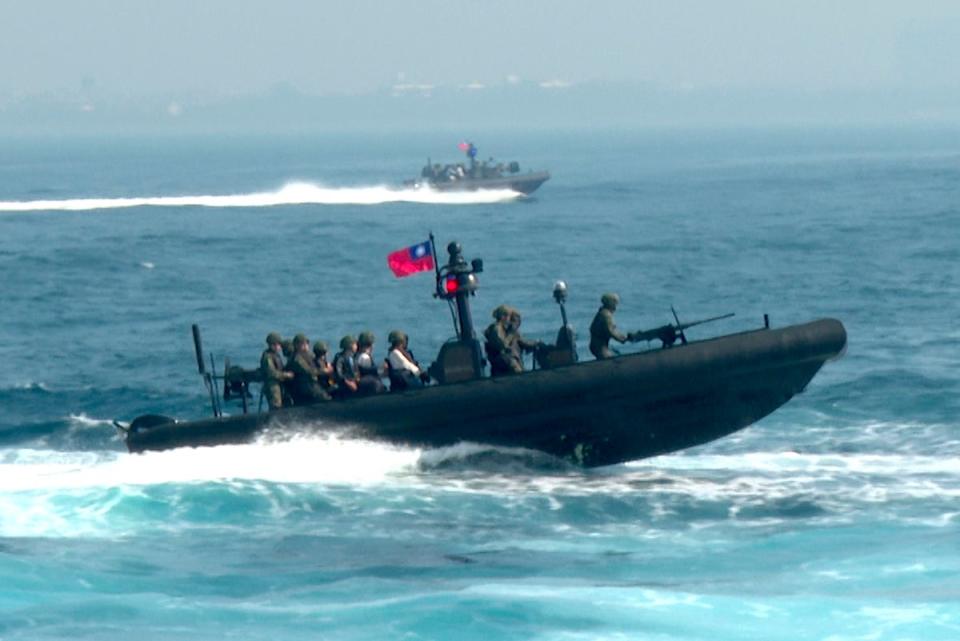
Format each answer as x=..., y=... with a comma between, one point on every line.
x=239, y=46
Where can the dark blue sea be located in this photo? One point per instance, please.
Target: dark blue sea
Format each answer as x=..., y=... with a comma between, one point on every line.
x=835, y=518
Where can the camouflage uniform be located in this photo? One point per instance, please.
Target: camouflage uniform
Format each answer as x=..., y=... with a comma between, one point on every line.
x=602, y=329
x=305, y=387
x=326, y=370
x=271, y=371
x=515, y=340
x=503, y=359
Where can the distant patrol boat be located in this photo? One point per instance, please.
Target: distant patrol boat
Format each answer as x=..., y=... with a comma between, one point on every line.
x=478, y=175
x=592, y=413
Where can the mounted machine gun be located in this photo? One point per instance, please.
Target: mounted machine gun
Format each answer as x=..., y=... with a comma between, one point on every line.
x=668, y=334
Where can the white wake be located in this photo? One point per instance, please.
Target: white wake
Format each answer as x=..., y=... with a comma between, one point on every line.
x=296, y=193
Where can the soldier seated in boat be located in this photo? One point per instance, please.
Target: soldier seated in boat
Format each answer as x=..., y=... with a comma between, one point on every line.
x=305, y=387
x=345, y=367
x=503, y=359
x=327, y=380
x=369, y=381
x=402, y=368
x=603, y=328
x=518, y=344
x=286, y=346
x=272, y=372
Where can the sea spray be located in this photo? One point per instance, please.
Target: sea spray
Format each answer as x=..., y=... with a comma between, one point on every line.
x=294, y=193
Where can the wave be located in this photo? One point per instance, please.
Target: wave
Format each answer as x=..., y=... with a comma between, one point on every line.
x=111, y=493
x=84, y=421
x=294, y=193
x=27, y=386
x=466, y=457
x=318, y=459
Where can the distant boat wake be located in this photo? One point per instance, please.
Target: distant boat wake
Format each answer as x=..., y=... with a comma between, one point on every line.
x=290, y=194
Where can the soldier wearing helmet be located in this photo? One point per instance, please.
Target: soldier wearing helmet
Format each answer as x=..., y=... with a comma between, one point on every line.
x=345, y=367
x=402, y=368
x=518, y=344
x=305, y=387
x=603, y=328
x=503, y=359
x=369, y=382
x=272, y=372
x=320, y=351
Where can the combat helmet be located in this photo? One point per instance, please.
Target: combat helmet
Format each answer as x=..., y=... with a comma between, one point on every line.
x=300, y=339
x=396, y=337
x=320, y=347
x=274, y=338
x=366, y=338
x=610, y=300
x=347, y=342
x=501, y=311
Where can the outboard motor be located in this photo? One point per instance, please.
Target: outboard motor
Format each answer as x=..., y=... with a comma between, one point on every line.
x=460, y=359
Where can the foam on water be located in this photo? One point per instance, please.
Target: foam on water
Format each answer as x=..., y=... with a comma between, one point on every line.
x=294, y=193
x=70, y=494
x=326, y=459
x=749, y=489
x=84, y=421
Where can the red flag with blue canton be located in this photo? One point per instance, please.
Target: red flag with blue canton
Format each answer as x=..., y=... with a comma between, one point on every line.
x=410, y=260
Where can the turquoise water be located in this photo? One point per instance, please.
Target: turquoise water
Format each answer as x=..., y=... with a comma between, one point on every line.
x=835, y=518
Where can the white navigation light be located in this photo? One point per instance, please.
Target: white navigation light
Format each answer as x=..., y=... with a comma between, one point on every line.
x=560, y=291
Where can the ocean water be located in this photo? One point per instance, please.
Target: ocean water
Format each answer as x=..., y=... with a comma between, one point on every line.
x=835, y=518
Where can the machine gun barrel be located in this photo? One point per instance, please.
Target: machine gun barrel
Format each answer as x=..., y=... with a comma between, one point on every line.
x=683, y=326
x=668, y=334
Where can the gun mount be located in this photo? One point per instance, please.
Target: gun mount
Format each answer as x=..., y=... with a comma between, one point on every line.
x=668, y=334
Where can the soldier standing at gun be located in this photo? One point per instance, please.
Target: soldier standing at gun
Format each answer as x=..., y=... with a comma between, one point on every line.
x=602, y=329
x=271, y=369
x=515, y=340
x=502, y=358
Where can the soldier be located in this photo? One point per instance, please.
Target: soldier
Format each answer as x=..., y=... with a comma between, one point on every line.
x=403, y=369
x=320, y=351
x=345, y=366
x=369, y=382
x=305, y=388
x=602, y=329
x=518, y=344
x=502, y=358
x=272, y=372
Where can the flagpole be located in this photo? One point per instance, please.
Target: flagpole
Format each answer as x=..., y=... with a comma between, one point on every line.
x=436, y=262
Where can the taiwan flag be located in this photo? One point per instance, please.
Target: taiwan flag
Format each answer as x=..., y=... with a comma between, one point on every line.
x=410, y=260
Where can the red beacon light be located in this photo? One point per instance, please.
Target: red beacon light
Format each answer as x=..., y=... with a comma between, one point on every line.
x=450, y=285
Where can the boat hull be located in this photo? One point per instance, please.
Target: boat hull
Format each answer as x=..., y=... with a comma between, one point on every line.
x=521, y=183
x=593, y=413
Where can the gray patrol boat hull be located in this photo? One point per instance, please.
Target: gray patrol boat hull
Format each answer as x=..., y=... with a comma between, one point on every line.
x=521, y=183
x=592, y=413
